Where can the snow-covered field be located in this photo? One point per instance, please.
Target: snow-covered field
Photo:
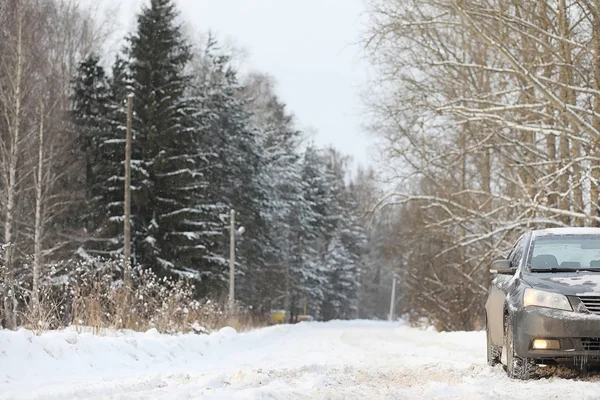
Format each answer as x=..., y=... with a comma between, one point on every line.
x=335, y=360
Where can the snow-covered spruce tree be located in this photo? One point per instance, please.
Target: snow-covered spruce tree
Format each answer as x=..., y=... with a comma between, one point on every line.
x=344, y=242
x=108, y=241
x=90, y=103
x=285, y=210
x=309, y=271
x=165, y=160
x=234, y=158
x=104, y=221
x=345, y=261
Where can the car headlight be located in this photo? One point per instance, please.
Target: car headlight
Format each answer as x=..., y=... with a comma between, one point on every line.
x=534, y=297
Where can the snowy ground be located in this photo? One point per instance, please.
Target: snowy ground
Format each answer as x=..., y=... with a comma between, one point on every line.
x=336, y=360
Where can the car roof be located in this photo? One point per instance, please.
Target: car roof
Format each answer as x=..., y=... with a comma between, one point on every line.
x=566, y=231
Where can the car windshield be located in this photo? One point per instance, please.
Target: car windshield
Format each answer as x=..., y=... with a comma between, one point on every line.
x=565, y=252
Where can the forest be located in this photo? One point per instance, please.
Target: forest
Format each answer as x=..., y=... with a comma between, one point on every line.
x=486, y=117
x=206, y=140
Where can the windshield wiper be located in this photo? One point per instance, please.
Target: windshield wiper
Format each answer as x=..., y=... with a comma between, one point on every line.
x=561, y=269
x=554, y=269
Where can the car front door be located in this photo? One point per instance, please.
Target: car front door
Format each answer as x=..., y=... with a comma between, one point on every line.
x=498, y=290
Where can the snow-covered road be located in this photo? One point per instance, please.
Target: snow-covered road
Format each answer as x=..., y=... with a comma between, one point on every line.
x=335, y=360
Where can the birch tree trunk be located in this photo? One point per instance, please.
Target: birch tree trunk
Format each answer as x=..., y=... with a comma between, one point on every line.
x=10, y=178
x=595, y=148
x=547, y=71
x=38, y=233
x=572, y=155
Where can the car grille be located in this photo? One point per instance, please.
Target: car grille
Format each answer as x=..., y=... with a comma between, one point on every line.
x=592, y=303
x=590, y=343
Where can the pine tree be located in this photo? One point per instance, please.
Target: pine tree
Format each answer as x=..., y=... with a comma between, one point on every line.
x=345, y=258
x=90, y=104
x=230, y=144
x=111, y=169
x=165, y=159
x=106, y=153
x=285, y=211
x=310, y=270
x=341, y=240
x=165, y=162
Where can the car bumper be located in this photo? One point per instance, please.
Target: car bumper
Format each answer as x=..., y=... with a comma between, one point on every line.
x=578, y=334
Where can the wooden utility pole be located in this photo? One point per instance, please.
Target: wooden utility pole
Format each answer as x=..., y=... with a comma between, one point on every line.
x=232, y=259
x=127, y=202
x=393, y=301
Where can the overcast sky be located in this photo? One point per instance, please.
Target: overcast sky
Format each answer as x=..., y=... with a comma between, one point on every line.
x=308, y=46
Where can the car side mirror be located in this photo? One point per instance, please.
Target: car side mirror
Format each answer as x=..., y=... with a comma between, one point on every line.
x=502, y=267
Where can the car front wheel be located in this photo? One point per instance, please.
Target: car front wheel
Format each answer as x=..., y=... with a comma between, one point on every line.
x=516, y=367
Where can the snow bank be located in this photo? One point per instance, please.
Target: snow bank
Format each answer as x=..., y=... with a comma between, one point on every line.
x=334, y=360
x=69, y=356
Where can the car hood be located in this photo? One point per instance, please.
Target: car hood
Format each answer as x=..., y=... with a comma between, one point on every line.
x=569, y=283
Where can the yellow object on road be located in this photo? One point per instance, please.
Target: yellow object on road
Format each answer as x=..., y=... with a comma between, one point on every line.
x=277, y=316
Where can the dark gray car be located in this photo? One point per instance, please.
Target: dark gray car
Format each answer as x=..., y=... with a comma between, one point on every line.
x=543, y=306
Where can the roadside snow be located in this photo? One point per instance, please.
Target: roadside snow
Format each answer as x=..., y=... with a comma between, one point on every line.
x=335, y=360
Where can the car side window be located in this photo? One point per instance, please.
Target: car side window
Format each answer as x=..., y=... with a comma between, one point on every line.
x=517, y=253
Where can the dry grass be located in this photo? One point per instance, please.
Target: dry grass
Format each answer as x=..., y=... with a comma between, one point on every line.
x=92, y=298
x=43, y=317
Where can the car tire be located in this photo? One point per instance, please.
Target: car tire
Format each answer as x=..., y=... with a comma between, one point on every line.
x=516, y=367
x=493, y=351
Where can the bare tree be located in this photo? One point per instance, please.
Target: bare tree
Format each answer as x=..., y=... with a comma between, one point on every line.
x=14, y=91
x=490, y=114
x=38, y=233
x=41, y=43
